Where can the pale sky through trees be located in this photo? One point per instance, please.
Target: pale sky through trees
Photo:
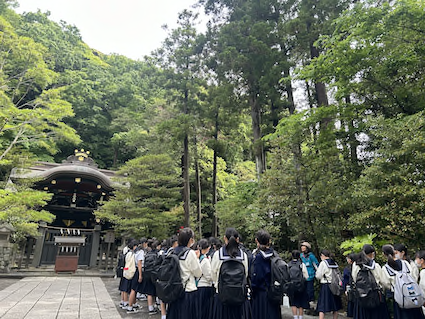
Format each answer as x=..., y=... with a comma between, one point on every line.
x=128, y=27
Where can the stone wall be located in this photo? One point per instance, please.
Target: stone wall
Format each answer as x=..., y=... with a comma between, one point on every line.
x=5, y=256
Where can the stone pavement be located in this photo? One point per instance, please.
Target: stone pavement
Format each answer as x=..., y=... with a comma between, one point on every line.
x=57, y=297
x=70, y=297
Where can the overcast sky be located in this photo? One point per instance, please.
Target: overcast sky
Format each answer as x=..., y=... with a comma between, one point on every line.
x=128, y=27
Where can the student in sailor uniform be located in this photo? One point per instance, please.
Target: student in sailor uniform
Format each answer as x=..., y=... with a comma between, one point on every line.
x=420, y=263
x=388, y=273
x=327, y=301
x=204, y=284
x=187, y=306
x=170, y=244
x=400, y=252
x=260, y=279
x=229, y=250
x=147, y=286
x=366, y=260
x=125, y=284
x=347, y=283
x=139, y=257
x=299, y=300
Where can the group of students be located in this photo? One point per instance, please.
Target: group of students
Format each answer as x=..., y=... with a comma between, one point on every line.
x=395, y=290
x=231, y=282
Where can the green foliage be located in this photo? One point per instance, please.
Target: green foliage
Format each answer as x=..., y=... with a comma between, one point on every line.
x=148, y=203
x=21, y=207
x=355, y=245
x=32, y=112
x=390, y=195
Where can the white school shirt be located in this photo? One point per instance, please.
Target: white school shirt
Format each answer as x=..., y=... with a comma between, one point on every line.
x=414, y=270
x=388, y=280
x=189, y=269
x=375, y=268
x=140, y=255
x=217, y=262
x=206, y=279
x=324, y=273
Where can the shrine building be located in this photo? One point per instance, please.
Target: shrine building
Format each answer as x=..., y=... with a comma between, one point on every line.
x=78, y=186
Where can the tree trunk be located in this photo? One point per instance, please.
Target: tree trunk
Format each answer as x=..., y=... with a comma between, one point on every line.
x=256, y=129
x=185, y=169
x=320, y=89
x=352, y=141
x=214, y=229
x=289, y=91
x=198, y=188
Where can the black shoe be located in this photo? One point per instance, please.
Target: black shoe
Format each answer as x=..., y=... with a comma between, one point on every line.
x=154, y=311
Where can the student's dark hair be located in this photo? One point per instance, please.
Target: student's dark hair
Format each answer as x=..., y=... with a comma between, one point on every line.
x=132, y=243
x=420, y=254
x=232, y=245
x=185, y=235
x=296, y=254
x=402, y=247
x=263, y=238
x=388, y=251
x=354, y=257
x=325, y=253
x=143, y=240
x=368, y=249
x=155, y=244
x=203, y=243
x=173, y=239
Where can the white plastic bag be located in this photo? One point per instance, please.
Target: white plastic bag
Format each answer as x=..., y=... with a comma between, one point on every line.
x=286, y=301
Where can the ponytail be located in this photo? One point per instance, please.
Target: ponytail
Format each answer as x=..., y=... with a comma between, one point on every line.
x=263, y=238
x=388, y=251
x=232, y=246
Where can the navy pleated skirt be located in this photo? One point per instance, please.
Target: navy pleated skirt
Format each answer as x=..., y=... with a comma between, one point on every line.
x=327, y=301
x=380, y=312
x=125, y=285
x=220, y=311
x=135, y=284
x=262, y=307
x=187, y=307
x=147, y=287
x=400, y=313
x=300, y=299
x=205, y=301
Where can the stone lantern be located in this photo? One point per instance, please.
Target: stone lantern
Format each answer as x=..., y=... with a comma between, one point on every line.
x=5, y=246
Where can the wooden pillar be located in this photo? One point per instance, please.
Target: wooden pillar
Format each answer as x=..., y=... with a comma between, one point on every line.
x=95, y=246
x=39, y=244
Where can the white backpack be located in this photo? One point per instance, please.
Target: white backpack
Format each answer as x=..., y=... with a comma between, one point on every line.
x=407, y=292
x=130, y=266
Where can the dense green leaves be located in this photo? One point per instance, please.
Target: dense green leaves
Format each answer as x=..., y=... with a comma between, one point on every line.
x=345, y=144
x=147, y=203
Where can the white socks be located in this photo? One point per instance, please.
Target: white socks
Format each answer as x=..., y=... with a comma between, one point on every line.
x=296, y=317
x=150, y=308
x=164, y=317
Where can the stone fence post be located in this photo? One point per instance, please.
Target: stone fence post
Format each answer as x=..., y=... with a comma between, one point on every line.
x=5, y=247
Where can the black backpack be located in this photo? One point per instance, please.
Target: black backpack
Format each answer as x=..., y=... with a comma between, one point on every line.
x=168, y=284
x=296, y=277
x=366, y=290
x=151, y=266
x=232, y=283
x=120, y=265
x=279, y=279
